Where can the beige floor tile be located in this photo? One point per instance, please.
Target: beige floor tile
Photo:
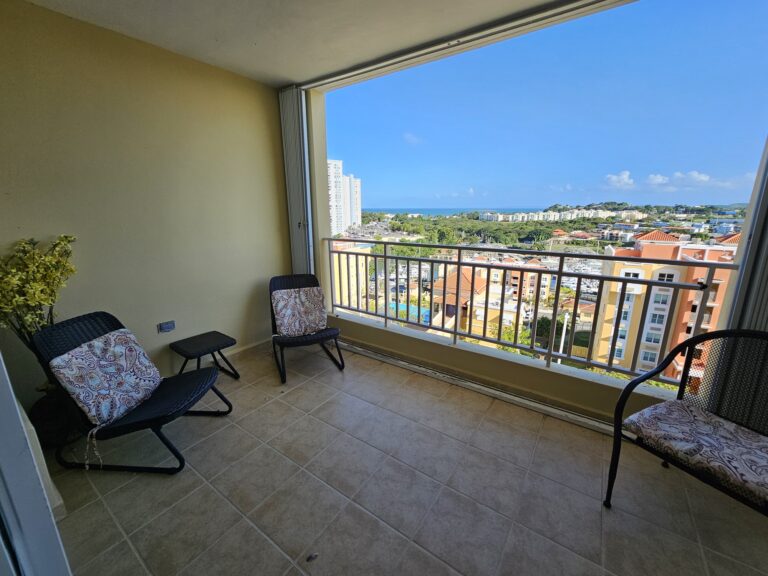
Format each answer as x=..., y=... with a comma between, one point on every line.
x=530, y=554
x=582, y=471
x=346, y=464
x=489, y=480
x=430, y=452
x=312, y=365
x=720, y=565
x=399, y=495
x=271, y=419
x=573, y=436
x=465, y=534
x=254, y=368
x=562, y=514
x=427, y=384
x=654, y=494
x=418, y=562
x=296, y=514
x=249, y=481
x=216, y=452
x=374, y=388
x=142, y=450
x=270, y=383
x=343, y=411
x=728, y=527
x=355, y=543
x=449, y=417
x=383, y=429
x=147, y=495
x=88, y=532
x=518, y=416
x=634, y=547
x=241, y=551
x=409, y=401
x=120, y=560
x=360, y=362
x=246, y=400
x=309, y=395
x=189, y=430
x=75, y=489
x=173, y=539
x=506, y=441
x=468, y=399
x=304, y=439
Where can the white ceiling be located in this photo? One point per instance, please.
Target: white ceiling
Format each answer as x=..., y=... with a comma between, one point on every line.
x=281, y=42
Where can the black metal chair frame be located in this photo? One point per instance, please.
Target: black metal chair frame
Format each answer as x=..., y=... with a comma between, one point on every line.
x=293, y=281
x=687, y=349
x=173, y=398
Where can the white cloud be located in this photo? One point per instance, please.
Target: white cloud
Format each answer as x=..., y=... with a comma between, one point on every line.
x=411, y=139
x=692, y=177
x=471, y=192
x=621, y=180
x=657, y=179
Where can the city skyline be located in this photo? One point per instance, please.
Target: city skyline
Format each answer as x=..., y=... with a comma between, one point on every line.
x=590, y=110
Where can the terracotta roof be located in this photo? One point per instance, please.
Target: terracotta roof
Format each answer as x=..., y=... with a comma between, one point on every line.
x=732, y=238
x=627, y=252
x=656, y=236
x=559, y=232
x=465, y=288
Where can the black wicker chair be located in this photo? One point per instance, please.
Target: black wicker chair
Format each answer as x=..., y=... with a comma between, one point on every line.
x=173, y=397
x=289, y=282
x=723, y=378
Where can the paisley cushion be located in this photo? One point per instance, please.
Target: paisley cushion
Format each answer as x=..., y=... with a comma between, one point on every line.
x=107, y=376
x=734, y=456
x=299, y=311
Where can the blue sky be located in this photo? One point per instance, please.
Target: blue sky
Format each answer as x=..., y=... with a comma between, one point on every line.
x=658, y=101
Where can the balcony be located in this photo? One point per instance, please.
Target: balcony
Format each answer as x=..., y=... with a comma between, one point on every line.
x=383, y=470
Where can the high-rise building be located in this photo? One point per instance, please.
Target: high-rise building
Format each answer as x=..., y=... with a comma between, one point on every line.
x=344, y=198
x=335, y=196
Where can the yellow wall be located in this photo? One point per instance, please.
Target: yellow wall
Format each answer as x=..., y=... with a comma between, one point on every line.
x=167, y=170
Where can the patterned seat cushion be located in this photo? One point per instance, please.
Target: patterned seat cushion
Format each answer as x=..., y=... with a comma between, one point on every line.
x=108, y=376
x=704, y=442
x=299, y=311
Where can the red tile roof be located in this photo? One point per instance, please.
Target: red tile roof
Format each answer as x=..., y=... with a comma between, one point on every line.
x=626, y=252
x=732, y=238
x=465, y=288
x=656, y=236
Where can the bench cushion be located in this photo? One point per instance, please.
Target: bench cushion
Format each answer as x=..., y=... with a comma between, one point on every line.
x=708, y=444
x=299, y=311
x=108, y=376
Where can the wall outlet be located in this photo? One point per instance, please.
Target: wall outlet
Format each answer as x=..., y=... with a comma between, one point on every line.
x=166, y=326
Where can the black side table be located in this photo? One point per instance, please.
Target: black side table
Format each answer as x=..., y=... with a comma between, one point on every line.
x=204, y=344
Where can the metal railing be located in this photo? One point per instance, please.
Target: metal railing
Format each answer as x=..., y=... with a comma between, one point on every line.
x=460, y=293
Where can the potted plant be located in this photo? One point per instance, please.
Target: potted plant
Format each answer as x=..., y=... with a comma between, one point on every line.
x=31, y=277
x=30, y=280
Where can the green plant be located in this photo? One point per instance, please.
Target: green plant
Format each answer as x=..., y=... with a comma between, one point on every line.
x=30, y=280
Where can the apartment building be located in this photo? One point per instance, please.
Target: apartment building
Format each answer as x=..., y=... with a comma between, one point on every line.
x=671, y=315
x=344, y=198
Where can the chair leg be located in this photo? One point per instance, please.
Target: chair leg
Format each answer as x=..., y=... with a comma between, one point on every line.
x=232, y=370
x=614, y=467
x=127, y=468
x=281, y=362
x=340, y=361
x=213, y=412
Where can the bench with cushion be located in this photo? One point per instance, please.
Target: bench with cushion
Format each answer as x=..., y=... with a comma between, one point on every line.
x=717, y=427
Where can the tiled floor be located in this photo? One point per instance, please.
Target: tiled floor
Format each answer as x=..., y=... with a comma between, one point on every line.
x=378, y=470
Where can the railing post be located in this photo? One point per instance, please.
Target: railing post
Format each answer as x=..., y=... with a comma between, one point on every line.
x=553, y=326
x=457, y=315
x=333, y=272
x=386, y=285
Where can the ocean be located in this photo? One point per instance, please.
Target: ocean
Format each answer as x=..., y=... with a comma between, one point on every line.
x=447, y=211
